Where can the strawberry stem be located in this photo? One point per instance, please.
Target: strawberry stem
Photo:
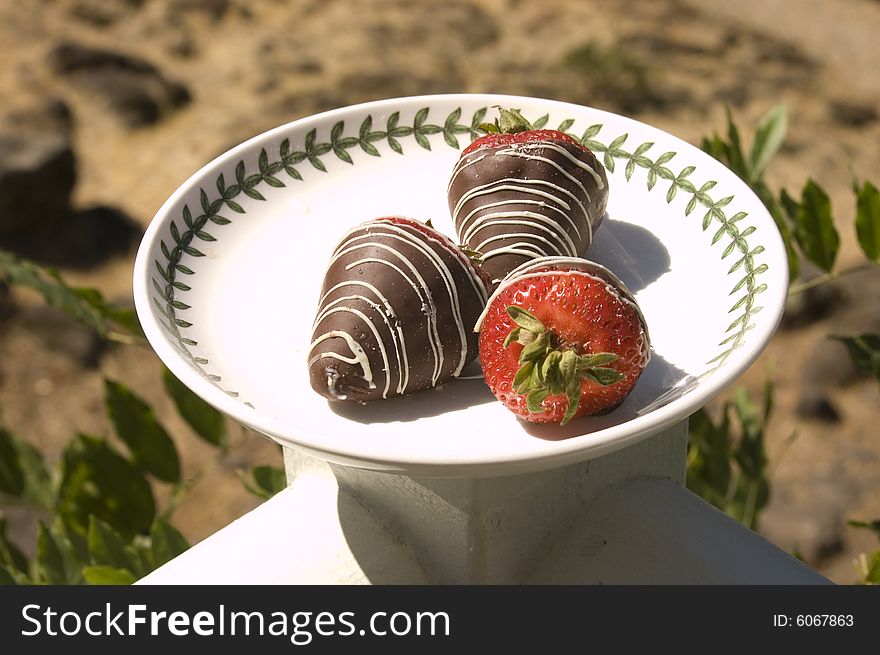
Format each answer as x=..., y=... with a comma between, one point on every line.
x=548, y=367
x=509, y=121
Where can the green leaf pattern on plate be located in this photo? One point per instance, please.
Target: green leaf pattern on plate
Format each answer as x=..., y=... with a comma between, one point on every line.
x=186, y=234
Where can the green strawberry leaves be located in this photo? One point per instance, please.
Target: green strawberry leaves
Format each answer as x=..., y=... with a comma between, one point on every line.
x=550, y=368
x=510, y=121
x=524, y=319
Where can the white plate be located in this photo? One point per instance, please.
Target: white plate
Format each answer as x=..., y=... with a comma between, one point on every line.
x=227, y=279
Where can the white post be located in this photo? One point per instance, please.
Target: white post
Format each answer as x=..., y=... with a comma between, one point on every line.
x=621, y=518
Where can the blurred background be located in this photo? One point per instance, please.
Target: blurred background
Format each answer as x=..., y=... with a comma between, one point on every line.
x=108, y=105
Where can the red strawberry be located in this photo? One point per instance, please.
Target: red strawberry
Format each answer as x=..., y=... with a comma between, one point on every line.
x=562, y=338
x=499, y=138
x=519, y=193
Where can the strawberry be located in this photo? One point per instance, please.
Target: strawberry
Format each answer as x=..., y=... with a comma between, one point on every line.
x=519, y=193
x=397, y=306
x=562, y=338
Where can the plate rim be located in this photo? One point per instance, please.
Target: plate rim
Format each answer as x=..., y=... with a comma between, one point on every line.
x=566, y=451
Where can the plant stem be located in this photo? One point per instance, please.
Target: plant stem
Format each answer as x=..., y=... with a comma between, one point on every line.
x=796, y=289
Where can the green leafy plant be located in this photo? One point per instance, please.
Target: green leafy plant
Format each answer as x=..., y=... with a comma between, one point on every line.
x=265, y=481
x=727, y=459
x=727, y=463
x=806, y=222
x=102, y=522
x=99, y=519
x=85, y=304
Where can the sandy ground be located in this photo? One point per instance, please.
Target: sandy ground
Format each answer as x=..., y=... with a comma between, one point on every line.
x=249, y=66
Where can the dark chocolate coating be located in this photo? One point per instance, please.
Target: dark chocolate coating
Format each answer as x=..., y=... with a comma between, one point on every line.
x=396, y=315
x=513, y=203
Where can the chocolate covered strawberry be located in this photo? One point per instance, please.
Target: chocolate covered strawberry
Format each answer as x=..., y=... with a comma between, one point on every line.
x=519, y=193
x=396, y=313
x=561, y=338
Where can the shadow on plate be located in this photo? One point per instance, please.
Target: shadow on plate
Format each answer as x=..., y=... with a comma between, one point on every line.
x=629, y=251
x=660, y=383
x=455, y=395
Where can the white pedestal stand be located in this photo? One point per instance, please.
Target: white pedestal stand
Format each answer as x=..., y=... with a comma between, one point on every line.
x=617, y=519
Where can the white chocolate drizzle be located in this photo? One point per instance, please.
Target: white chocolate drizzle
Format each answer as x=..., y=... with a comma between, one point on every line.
x=416, y=260
x=543, y=215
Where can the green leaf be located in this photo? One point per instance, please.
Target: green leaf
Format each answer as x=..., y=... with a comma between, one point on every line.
x=735, y=157
x=11, y=474
x=525, y=319
x=10, y=576
x=814, y=227
x=50, y=562
x=873, y=526
x=864, y=350
x=450, y=124
x=10, y=555
x=74, y=550
x=96, y=480
x=868, y=221
x=551, y=373
x=604, y=376
x=536, y=380
x=534, y=400
x=107, y=575
x=106, y=546
x=422, y=140
x=873, y=574
x=166, y=542
x=789, y=204
x=523, y=375
x=206, y=421
x=750, y=453
x=477, y=118
x=250, y=192
x=535, y=350
x=264, y=481
x=511, y=121
x=777, y=212
x=336, y=131
x=38, y=488
x=709, y=457
x=769, y=136
x=715, y=147
x=55, y=292
x=568, y=367
x=136, y=424
x=573, y=398
x=141, y=555
x=511, y=337
x=590, y=132
x=596, y=359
